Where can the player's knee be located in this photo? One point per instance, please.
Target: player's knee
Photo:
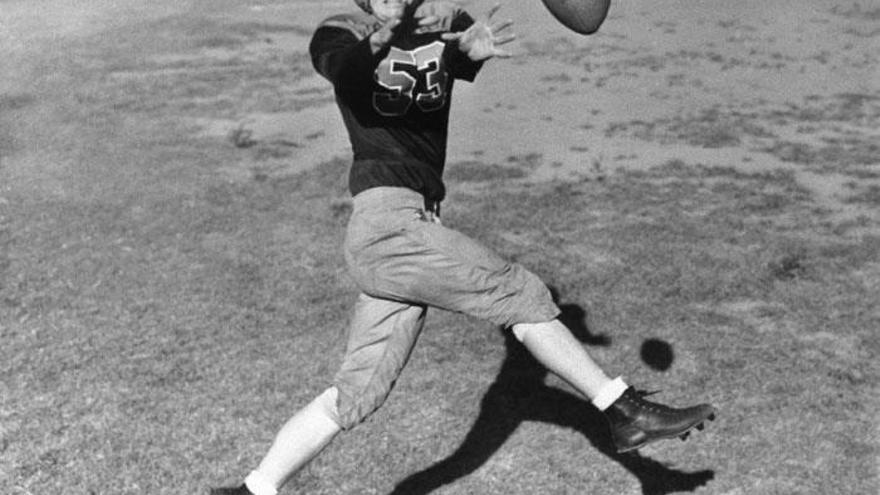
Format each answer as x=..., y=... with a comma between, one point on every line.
x=523, y=298
x=355, y=405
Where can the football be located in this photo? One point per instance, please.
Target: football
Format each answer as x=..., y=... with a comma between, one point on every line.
x=581, y=16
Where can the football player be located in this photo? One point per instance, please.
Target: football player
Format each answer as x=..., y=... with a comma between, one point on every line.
x=393, y=68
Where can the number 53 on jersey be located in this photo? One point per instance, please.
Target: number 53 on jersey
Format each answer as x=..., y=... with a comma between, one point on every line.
x=410, y=77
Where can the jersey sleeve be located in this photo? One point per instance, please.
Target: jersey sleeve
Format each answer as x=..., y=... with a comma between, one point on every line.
x=340, y=51
x=461, y=66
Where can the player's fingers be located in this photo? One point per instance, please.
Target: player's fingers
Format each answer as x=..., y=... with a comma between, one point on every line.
x=501, y=54
x=391, y=24
x=429, y=20
x=451, y=36
x=507, y=38
x=501, y=26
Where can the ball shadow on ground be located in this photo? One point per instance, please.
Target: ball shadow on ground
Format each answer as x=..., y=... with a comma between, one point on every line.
x=519, y=394
x=657, y=354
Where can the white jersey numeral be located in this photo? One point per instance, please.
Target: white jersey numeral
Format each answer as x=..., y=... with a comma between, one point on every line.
x=409, y=76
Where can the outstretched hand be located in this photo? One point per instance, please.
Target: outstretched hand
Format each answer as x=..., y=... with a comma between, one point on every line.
x=481, y=40
x=388, y=30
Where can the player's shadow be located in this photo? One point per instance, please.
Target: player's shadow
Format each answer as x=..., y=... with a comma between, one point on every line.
x=520, y=394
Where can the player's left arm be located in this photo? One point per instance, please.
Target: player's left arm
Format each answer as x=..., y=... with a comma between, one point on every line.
x=483, y=39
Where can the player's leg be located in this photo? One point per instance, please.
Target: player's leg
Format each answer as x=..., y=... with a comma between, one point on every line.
x=441, y=267
x=554, y=346
x=634, y=421
x=381, y=336
x=301, y=438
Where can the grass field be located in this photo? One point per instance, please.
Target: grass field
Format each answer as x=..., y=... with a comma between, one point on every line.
x=172, y=203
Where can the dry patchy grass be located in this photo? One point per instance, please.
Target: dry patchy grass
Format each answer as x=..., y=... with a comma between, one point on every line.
x=149, y=340
x=160, y=320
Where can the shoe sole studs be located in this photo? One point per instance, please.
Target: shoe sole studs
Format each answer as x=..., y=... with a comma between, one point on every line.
x=699, y=426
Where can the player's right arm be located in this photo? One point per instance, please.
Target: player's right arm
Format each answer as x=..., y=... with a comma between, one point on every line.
x=347, y=48
x=342, y=51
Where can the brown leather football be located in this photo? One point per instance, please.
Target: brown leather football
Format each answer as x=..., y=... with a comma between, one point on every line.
x=581, y=16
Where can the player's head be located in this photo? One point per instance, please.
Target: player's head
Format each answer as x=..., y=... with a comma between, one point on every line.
x=383, y=9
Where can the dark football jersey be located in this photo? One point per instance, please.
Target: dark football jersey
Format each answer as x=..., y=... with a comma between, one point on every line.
x=395, y=104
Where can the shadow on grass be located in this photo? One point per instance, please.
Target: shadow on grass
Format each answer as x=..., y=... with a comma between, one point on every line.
x=519, y=394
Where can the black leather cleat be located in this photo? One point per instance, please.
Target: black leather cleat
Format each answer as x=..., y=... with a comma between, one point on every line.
x=636, y=422
x=241, y=490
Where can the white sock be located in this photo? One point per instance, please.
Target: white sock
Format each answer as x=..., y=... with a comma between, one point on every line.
x=259, y=485
x=609, y=393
